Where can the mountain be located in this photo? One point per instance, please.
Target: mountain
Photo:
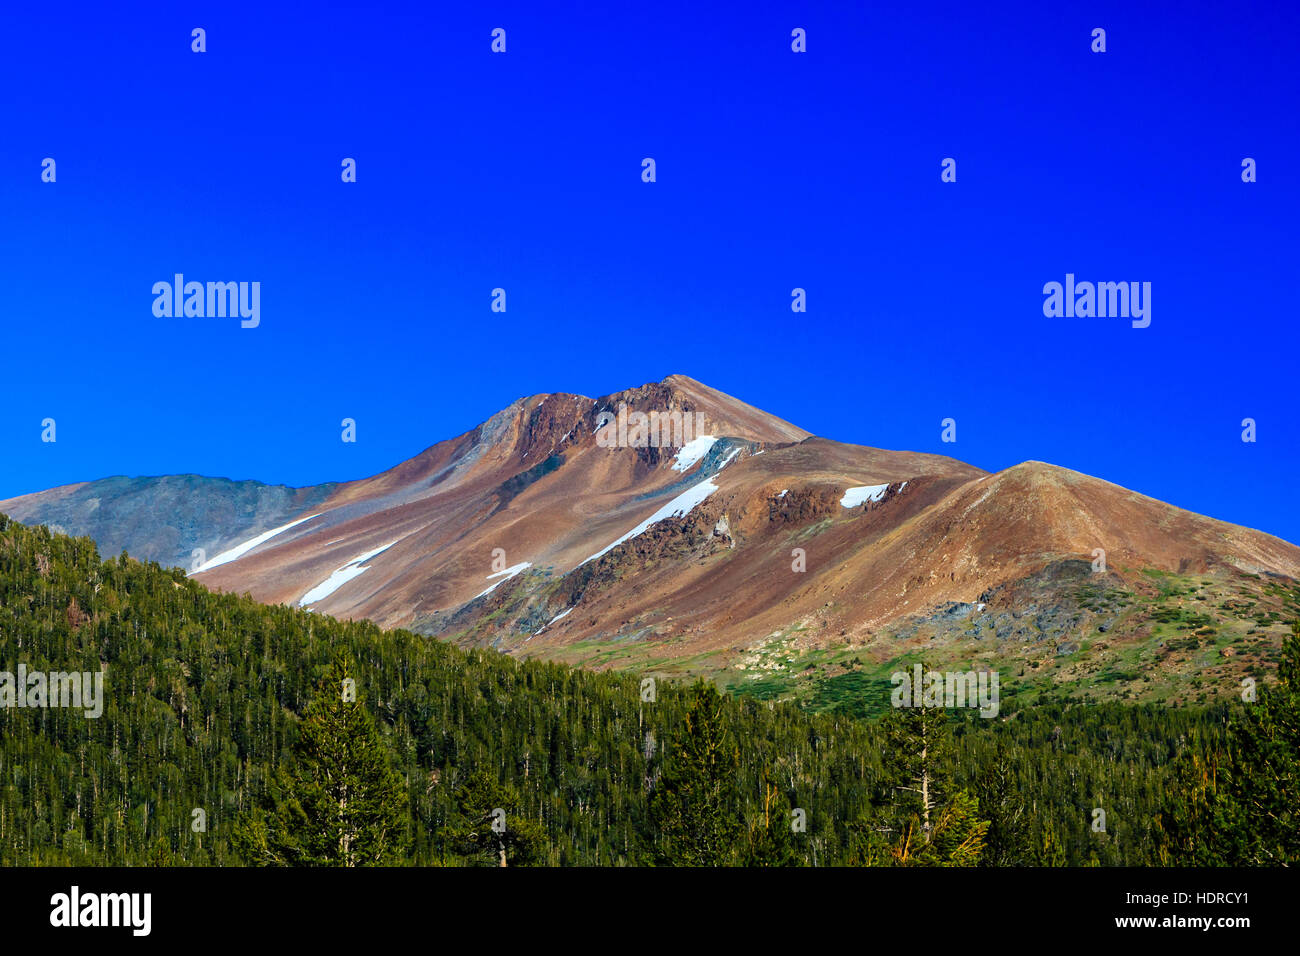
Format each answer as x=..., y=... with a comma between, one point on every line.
x=779, y=563
x=164, y=519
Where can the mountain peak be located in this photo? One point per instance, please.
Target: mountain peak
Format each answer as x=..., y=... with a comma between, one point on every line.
x=531, y=534
x=724, y=414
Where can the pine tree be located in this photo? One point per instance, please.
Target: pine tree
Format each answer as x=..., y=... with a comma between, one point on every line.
x=160, y=853
x=1188, y=827
x=1002, y=803
x=695, y=807
x=925, y=820
x=1258, y=815
x=956, y=836
x=488, y=831
x=916, y=754
x=1237, y=805
x=771, y=838
x=1051, y=853
x=340, y=802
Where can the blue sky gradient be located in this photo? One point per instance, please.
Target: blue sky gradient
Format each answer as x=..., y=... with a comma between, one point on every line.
x=775, y=170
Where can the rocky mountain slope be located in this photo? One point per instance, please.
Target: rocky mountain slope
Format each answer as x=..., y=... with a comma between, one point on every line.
x=164, y=519
x=778, y=562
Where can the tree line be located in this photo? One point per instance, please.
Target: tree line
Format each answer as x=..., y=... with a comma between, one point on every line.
x=235, y=733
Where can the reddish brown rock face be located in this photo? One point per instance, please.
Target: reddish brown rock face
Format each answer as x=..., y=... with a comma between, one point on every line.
x=758, y=538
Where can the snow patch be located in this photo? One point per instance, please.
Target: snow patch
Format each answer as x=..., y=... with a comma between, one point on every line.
x=678, y=507
x=342, y=576
x=689, y=454
x=239, y=550
x=508, y=572
x=857, y=496
x=563, y=614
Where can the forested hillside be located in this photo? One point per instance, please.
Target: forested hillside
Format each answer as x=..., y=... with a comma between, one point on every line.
x=205, y=695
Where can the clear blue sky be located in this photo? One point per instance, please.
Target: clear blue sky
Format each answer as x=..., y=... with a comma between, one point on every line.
x=775, y=170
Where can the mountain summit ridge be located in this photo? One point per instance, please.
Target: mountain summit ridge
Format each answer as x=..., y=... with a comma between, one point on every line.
x=530, y=534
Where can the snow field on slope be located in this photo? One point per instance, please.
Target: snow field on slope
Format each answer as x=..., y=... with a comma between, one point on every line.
x=239, y=550
x=341, y=577
x=508, y=572
x=856, y=496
